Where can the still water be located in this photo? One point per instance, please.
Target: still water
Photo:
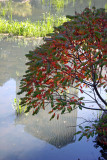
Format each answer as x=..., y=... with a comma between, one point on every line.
x=35, y=137
x=34, y=9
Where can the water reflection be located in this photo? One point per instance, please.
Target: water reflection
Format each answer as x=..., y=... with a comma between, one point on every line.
x=22, y=9
x=58, y=5
x=55, y=132
x=11, y=8
x=103, y=150
x=33, y=9
x=12, y=59
x=19, y=141
x=31, y=137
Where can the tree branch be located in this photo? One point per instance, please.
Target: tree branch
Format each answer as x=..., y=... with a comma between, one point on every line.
x=95, y=88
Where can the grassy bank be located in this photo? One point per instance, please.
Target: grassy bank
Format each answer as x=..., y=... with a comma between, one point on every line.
x=29, y=29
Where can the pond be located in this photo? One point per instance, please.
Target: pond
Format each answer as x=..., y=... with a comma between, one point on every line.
x=30, y=137
x=34, y=9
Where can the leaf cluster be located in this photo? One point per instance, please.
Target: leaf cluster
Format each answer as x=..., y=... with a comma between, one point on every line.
x=75, y=54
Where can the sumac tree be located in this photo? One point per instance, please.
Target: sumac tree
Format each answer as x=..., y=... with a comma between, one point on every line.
x=74, y=56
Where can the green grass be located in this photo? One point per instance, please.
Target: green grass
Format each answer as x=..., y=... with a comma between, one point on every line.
x=18, y=108
x=29, y=29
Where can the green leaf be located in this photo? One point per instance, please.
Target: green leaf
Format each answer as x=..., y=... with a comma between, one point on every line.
x=36, y=111
x=36, y=93
x=52, y=116
x=64, y=82
x=80, y=137
x=85, y=36
x=60, y=28
x=71, y=17
x=78, y=132
x=105, y=56
x=88, y=136
x=63, y=110
x=28, y=109
x=104, y=125
x=87, y=127
x=92, y=134
x=77, y=47
x=49, y=34
x=60, y=37
x=81, y=127
x=39, y=63
x=80, y=107
x=81, y=98
x=87, y=72
x=50, y=111
x=80, y=18
x=98, y=34
x=69, y=109
x=72, y=102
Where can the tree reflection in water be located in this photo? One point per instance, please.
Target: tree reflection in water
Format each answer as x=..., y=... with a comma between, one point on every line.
x=55, y=132
x=103, y=150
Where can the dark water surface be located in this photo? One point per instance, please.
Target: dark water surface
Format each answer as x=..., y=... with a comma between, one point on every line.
x=34, y=137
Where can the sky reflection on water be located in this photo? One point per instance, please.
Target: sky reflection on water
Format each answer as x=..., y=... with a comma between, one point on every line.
x=18, y=138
